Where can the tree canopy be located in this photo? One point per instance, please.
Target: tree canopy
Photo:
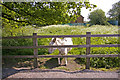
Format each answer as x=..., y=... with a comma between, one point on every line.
x=17, y=14
x=98, y=17
x=115, y=11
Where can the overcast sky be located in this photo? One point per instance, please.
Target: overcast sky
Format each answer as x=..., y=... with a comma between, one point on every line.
x=105, y=5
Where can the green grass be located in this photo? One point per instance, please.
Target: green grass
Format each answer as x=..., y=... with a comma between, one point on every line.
x=66, y=30
x=63, y=68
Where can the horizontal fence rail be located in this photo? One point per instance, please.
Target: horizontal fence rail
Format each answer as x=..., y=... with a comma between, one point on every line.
x=87, y=46
x=62, y=56
x=63, y=46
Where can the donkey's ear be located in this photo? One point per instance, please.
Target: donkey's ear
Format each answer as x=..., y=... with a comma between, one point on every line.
x=54, y=39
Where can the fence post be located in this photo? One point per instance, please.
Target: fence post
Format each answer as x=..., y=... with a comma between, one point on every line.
x=35, y=50
x=88, y=38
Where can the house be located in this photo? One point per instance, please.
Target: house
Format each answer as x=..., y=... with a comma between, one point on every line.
x=80, y=19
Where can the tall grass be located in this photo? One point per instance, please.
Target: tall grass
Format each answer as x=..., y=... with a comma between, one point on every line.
x=66, y=30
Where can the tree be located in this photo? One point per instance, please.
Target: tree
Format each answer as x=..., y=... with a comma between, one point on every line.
x=40, y=13
x=98, y=17
x=115, y=12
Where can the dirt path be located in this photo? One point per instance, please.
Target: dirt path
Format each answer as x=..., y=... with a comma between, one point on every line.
x=49, y=73
x=48, y=68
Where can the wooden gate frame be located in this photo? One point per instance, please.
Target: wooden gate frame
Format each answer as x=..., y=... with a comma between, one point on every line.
x=35, y=47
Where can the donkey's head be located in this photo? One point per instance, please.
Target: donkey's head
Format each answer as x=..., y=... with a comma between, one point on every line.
x=53, y=42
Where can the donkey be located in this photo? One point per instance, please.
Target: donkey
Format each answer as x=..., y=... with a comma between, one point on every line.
x=62, y=51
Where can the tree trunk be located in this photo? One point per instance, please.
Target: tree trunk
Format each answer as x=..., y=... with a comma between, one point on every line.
x=119, y=19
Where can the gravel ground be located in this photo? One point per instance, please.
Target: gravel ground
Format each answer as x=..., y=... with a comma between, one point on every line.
x=37, y=73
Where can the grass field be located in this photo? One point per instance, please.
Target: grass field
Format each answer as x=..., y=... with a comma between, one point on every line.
x=66, y=30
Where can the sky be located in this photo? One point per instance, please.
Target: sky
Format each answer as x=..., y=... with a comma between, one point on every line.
x=105, y=5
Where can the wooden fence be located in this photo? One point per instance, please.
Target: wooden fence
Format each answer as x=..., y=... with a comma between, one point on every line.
x=88, y=46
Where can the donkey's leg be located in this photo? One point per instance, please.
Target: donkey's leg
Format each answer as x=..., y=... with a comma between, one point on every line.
x=59, y=60
x=65, y=54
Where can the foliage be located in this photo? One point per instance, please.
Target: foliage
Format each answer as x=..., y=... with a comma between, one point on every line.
x=97, y=17
x=115, y=12
x=67, y=30
x=16, y=14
